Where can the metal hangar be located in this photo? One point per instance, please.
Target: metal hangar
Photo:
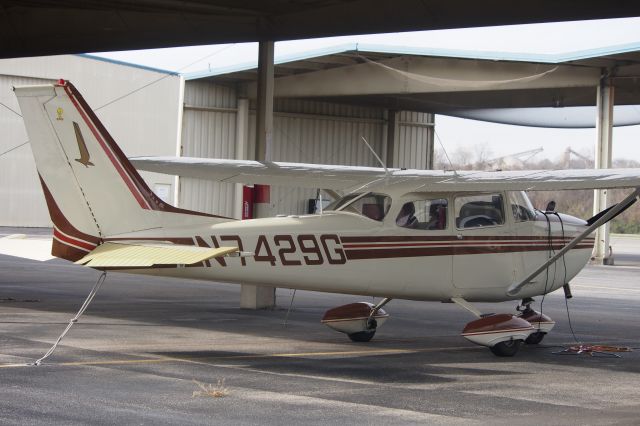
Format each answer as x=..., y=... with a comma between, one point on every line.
x=154, y=112
x=140, y=116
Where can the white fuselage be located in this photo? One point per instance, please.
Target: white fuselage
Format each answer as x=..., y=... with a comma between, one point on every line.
x=344, y=252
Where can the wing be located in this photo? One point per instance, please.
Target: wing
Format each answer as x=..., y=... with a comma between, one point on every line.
x=141, y=255
x=268, y=173
x=351, y=178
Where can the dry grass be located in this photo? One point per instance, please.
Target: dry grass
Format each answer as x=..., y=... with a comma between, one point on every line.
x=214, y=391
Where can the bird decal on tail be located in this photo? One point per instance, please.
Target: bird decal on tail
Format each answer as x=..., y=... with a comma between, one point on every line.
x=82, y=147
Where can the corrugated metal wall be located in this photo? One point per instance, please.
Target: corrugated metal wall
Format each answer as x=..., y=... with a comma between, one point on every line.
x=304, y=131
x=208, y=130
x=414, y=140
x=139, y=107
x=325, y=133
x=20, y=191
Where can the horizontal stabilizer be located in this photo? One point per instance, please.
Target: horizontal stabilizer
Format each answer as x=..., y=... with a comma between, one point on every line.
x=140, y=255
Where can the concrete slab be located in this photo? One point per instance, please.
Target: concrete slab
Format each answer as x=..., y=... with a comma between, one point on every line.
x=134, y=356
x=26, y=246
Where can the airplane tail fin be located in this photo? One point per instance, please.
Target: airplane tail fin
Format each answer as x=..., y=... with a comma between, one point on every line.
x=91, y=189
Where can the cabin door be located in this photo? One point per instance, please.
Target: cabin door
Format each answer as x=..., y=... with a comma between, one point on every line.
x=482, y=253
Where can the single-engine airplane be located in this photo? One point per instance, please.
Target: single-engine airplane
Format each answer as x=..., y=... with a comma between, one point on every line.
x=427, y=235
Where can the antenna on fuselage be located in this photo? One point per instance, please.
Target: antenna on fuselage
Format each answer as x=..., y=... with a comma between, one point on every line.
x=384, y=166
x=453, y=169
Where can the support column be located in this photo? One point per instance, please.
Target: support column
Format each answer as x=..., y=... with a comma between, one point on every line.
x=242, y=148
x=392, y=131
x=264, y=122
x=431, y=141
x=264, y=111
x=254, y=297
x=176, y=181
x=604, y=125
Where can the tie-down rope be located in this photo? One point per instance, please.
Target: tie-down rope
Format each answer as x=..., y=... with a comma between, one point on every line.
x=83, y=308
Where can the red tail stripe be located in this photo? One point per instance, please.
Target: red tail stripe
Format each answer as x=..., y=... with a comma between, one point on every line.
x=61, y=222
x=87, y=246
x=123, y=174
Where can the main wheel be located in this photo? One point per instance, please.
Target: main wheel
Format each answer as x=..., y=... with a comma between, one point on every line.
x=362, y=336
x=535, y=338
x=506, y=348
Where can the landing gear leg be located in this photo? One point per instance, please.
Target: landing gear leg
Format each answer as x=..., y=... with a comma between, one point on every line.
x=525, y=309
x=542, y=324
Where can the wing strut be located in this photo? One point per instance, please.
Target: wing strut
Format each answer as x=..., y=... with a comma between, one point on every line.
x=515, y=288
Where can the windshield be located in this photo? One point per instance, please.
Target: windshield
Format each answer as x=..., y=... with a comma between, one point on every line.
x=521, y=207
x=341, y=202
x=372, y=205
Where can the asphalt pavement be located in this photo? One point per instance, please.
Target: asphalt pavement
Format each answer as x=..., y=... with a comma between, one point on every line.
x=147, y=349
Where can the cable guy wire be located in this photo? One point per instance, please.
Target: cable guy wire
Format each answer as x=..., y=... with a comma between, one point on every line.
x=164, y=76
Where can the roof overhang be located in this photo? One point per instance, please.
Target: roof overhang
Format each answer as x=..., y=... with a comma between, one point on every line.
x=30, y=28
x=445, y=81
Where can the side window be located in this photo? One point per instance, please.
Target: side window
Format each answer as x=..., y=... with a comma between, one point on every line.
x=478, y=210
x=423, y=214
x=373, y=206
x=521, y=207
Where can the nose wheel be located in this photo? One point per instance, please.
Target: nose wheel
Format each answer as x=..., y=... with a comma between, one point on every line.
x=362, y=336
x=503, y=334
x=541, y=323
x=506, y=348
x=535, y=338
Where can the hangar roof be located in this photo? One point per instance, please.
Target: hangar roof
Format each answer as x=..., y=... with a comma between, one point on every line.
x=35, y=27
x=354, y=53
x=454, y=82
x=436, y=80
x=127, y=64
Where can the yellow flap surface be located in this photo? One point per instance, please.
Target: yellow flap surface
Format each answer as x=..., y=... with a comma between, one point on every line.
x=140, y=255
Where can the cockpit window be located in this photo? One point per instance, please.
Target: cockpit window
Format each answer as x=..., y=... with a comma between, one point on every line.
x=423, y=214
x=521, y=206
x=479, y=210
x=372, y=205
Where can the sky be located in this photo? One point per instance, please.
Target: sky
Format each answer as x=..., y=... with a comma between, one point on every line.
x=456, y=135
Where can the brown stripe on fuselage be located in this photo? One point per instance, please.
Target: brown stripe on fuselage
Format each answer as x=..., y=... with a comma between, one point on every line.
x=357, y=254
x=463, y=243
x=436, y=238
